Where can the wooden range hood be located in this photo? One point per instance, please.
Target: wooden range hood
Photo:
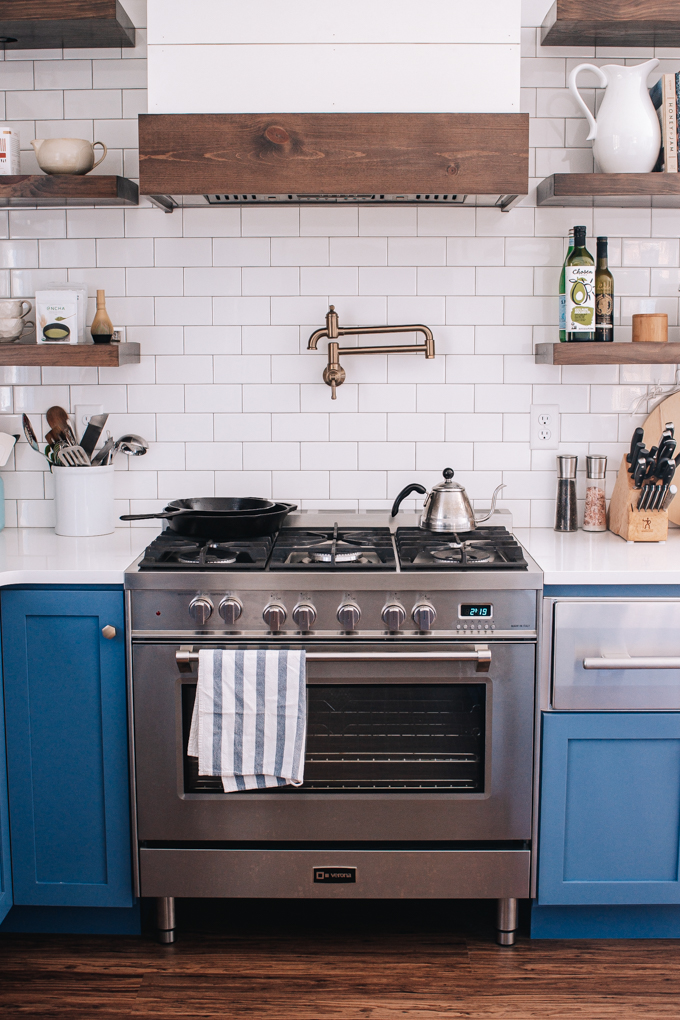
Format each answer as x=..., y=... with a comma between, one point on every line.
x=237, y=159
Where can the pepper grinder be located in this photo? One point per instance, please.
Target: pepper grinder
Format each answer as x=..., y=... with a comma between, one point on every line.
x=566, y=511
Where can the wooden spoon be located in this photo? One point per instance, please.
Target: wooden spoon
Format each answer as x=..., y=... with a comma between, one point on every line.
x=57, y=419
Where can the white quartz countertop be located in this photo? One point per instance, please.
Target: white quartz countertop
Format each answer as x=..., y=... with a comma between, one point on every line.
x=584, y=557
x=38, y=556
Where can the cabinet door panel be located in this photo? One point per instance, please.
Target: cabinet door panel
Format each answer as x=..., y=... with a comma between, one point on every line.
x=67, y=747
x=610, y=808
x=5, y=859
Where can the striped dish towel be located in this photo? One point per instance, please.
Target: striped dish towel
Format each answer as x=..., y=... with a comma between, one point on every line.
x=250, y=717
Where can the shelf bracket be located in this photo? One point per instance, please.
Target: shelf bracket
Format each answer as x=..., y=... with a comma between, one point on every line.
x=164, y=202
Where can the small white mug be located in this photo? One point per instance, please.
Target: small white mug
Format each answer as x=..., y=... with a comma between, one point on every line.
x=14, y=329
x=11, y=309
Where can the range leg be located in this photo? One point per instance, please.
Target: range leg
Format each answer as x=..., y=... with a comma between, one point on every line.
x=506, y=922
x=165, y=919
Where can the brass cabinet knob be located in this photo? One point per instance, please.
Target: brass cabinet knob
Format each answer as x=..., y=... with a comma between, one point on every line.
x=108, y=631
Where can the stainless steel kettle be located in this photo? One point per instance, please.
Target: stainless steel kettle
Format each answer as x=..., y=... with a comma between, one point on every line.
x=447, y=507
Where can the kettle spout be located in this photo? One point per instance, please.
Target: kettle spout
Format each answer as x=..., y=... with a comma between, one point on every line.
x=485, y=517
x=36, y=143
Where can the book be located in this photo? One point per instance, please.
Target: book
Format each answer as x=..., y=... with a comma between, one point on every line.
x=656, y=96
x=669, y=125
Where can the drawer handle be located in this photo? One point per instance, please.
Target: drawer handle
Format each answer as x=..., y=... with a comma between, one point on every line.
x=186, y=657
x=108, y=631
x=635, y=662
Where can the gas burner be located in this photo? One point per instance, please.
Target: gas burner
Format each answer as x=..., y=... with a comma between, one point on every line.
x=464, y=552
x=212, y=553
x=333, y=549
x=316, y=556
x=170, y=551
x=489, y=548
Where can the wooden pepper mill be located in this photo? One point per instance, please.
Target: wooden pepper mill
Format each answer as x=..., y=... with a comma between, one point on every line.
x=102, y=327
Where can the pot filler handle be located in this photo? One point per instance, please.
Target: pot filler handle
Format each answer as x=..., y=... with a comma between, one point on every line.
x=413, y=487
x=481, y=655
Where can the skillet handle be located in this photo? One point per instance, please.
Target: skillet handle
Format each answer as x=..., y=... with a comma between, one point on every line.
x=150, y=517
x=413, y=487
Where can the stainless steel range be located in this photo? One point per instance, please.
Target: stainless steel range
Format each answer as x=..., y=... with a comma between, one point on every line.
x=421, y=654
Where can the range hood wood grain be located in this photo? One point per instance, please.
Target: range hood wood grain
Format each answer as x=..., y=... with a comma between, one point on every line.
x=72, y=24
x=334, y=153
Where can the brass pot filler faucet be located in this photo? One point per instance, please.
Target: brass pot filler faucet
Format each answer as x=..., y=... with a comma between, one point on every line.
x=334, y=373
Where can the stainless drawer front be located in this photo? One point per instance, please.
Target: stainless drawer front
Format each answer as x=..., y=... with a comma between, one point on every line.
x=616, y=655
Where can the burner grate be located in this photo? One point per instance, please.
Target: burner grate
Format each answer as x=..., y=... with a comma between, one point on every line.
x=483, y=549
x=170, y=551
x=333, y=549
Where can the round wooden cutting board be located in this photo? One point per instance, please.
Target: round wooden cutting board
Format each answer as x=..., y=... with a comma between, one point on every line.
x=667, y=410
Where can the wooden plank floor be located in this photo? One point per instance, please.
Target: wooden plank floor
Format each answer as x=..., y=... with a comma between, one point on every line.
x=336, y=961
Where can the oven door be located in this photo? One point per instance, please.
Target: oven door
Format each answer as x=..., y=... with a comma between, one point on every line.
x=398, y=749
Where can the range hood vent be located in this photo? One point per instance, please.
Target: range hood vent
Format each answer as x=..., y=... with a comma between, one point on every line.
x=336, y=158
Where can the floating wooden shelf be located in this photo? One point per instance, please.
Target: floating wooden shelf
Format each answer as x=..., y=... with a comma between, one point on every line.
x=92, y=355
x=608, y=354
x=612, y=23
x=376, y=157
x=67, y=190
x=64, y=24
x=659, y=190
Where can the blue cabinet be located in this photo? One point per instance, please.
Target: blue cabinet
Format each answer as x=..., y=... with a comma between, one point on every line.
x=65, y=709
x=5, y=860
x=610, y=808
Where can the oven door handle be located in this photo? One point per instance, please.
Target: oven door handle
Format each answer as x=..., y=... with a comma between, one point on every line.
x=634, y=662
x=481, y=655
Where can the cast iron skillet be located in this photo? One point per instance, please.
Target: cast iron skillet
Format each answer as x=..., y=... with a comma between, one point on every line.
x=221, y=519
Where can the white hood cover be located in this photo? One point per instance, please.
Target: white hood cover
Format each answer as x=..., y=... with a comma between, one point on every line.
x=347, y=56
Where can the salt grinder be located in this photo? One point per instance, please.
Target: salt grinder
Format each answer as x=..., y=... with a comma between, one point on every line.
x=595, y=513
x=566, y=515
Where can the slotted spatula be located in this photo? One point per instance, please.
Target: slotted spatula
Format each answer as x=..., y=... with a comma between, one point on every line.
x=74, y=456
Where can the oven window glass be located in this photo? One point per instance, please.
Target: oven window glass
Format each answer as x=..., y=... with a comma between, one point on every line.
x=380, y=738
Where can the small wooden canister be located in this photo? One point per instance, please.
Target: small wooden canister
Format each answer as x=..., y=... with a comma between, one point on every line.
x=652, y=326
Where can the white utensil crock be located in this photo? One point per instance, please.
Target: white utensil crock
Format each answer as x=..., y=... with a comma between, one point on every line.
x=626, y=135
x=83, y=499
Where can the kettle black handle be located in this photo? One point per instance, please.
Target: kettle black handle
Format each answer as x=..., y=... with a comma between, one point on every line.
x=413, y=487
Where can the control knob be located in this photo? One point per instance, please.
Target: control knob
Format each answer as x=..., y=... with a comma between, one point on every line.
x=230, y=609
x=274, y=615
x=349, y=615
x=393, y=616
x=424, y=615
x=304, y=615
x=201, y=609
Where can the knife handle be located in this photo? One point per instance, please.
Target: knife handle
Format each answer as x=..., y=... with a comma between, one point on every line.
x=669, y=497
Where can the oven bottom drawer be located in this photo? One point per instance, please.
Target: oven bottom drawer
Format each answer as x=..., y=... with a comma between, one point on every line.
x=336, y=874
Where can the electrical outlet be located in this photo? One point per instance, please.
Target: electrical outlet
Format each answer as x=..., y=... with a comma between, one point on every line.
x=545, y=426
x=83, y=413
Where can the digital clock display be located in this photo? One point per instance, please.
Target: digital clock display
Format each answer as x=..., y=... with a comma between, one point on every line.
x=475, y=612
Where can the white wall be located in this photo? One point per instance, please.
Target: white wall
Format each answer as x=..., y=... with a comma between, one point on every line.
x=354, y=56
x=222, y=302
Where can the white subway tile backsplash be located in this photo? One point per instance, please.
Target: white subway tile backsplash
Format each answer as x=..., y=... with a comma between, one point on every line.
x=224, y=299
x=358, y=251
x=211, y=222
x=242, y=368
x=320, y=456
x=241, y=251
x=416, y=251
x=236, y=428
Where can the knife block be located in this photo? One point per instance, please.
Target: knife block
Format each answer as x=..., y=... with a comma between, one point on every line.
x=626, y=520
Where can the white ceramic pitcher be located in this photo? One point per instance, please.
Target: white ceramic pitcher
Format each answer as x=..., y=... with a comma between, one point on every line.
x=626, y=135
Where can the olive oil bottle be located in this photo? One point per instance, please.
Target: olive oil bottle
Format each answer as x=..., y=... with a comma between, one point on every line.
x=579, y=285
x=604, y=295
x=563, y=296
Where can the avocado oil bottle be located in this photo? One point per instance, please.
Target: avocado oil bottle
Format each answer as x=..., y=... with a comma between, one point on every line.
x=579, y=286
x=563, y=296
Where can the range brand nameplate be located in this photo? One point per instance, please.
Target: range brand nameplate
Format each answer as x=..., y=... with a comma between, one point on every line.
x=331, y=876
